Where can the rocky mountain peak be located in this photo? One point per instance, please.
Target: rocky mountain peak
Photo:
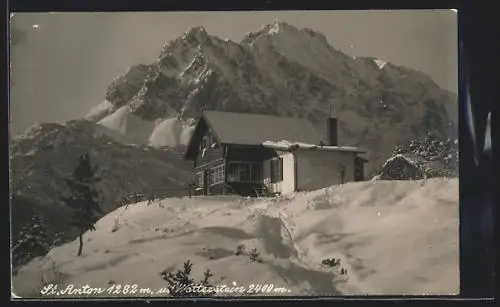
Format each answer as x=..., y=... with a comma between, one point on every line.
x=198, y=34
x=282, y=70
x=286, y=30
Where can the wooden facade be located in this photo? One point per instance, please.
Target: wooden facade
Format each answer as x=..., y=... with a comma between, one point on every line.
x=226, y=168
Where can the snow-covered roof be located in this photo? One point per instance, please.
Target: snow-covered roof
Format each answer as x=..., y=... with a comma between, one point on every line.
x=253, y=129
x=286, y=145
x=411, y=159
x=268, y=131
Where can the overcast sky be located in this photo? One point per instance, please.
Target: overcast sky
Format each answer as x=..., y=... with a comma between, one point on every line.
x=62, y=63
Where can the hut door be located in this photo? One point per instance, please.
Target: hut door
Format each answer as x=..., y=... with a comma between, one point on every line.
x=358, y=169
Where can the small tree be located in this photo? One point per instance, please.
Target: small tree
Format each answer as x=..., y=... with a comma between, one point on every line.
x=83, y=199
x=254, y=255
x=180, y=281
x=57, y=239
x=32, y=241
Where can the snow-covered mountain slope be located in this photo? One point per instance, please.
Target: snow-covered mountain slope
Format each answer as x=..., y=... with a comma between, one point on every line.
x=46, y=154
x=393, y=237
x=124, y=126
x=100, y=111
x=281, y=70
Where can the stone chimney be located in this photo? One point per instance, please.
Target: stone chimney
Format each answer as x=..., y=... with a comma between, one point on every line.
x=331, y=132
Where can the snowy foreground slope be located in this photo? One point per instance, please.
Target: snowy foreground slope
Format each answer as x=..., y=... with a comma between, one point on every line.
x=393, y=237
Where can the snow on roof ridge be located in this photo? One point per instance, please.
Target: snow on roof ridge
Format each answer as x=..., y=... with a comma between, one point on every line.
x=287, y=145
x=402, y=156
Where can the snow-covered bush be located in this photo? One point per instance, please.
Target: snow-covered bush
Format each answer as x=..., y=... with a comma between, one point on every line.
x=240, y=250
x=32, y=241
x=331, y=262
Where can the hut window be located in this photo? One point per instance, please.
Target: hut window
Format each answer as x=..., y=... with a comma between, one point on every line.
x=199, y=179
x=244, y=172
x=217, y=174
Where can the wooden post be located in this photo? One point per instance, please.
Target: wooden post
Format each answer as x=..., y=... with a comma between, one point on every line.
x=224, y=188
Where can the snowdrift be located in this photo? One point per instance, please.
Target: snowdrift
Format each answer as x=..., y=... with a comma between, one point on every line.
x=392, y=237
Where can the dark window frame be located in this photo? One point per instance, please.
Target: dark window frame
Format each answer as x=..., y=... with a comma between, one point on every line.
x=253, y=172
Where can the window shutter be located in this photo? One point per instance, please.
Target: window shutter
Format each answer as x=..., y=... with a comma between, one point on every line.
x=273, y=170
x=276, y=170
x=281, y=169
